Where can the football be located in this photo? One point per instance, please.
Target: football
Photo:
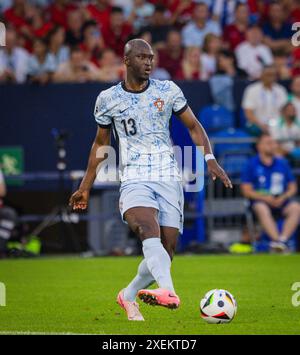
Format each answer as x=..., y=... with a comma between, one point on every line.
x=218, y=306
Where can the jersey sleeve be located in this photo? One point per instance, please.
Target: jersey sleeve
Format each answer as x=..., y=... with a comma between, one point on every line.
x=101, y=112
x=179, y=100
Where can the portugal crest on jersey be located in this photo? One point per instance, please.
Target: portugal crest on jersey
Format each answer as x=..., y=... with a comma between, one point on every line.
x=159, y=104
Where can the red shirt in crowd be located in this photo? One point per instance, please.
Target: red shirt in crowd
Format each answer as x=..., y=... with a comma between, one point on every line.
x=58, y=15
x=186, y=14
x=180, y=75
x=166, y=61
x=116, y=41
x=295, y=15
x=233, y=36
x=16, y=20
x=101, y=16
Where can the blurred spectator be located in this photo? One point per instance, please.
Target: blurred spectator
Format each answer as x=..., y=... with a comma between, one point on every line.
x=287, y=131
x=42, y=64
x=194, y=32
x=252, y=55
x=159, y=26
x=15, y=16
x=58, y=12
x=77, y=69
x=126, y=6
x=92, y=43
x=270, y=186
x=211, y=48
x=221, y=83
x=56, y=39
x=13, y=60
x=295, y=95
x=157, y=71
x=294, y=11
x=100, y=11
x=295, y=62
x=223, y=11
x=75, y=22
x=181, y=11
x=39, y=25
x=278, y=32
x=116, y=34
x=110, y=66
x=227, y=65
x=282, y=65
x=146, y=36
x=190, y=65
x=140, y=14
x=171, y=55
x=235, y=33
x=262, y=102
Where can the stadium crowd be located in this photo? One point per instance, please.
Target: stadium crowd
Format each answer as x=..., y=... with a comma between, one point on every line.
x=81, y=41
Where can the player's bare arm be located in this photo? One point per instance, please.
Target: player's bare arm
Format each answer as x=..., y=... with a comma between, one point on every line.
x=200, y=139
x=79, y=199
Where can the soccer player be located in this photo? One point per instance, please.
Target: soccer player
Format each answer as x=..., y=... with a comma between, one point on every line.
x=151, y=195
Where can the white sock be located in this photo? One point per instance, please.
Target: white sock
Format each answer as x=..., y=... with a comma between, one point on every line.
x=158, y=262
x=142, y=280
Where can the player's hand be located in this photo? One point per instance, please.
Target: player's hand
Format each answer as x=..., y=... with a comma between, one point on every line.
x=216, y=171
x=79, y=200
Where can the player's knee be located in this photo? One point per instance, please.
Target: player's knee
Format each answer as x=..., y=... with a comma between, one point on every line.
x=144, y=230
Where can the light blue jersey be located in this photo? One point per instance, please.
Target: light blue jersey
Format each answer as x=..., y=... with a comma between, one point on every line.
x=140, y=121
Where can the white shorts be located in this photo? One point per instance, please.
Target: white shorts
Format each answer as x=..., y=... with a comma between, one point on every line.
x=165, y=196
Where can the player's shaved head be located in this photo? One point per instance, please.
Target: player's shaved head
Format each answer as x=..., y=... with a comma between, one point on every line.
x=138, y=58
x=136, y=45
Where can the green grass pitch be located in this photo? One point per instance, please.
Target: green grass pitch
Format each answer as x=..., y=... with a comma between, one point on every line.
x=73, y=295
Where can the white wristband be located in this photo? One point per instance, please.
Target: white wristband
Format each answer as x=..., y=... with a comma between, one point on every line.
x=208, y=157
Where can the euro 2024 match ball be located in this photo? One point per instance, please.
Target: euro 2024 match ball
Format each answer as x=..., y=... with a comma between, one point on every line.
x=218, y=306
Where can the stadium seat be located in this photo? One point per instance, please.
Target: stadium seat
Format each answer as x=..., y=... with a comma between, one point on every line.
x=231, y=143
x=242, y=118
x=215, y=118
x=232, y=155
x=235, y=162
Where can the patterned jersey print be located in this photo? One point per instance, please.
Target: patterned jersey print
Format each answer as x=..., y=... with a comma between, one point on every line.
x=140, y=122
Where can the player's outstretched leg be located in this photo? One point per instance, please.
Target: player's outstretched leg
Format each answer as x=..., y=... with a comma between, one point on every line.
x=143, y=221
x=159, y=264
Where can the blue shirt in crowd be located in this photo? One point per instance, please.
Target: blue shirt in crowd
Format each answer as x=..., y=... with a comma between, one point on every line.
x=284, y=32
x=270, y=180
